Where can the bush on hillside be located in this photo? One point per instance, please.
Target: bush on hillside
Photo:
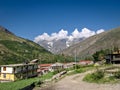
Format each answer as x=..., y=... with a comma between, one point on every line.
x=117, y=75
x=94, y=77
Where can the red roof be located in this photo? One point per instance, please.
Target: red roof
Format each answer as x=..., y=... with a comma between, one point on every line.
x=45, y=65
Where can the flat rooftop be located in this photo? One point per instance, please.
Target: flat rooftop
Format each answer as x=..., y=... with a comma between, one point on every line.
x=15, y=65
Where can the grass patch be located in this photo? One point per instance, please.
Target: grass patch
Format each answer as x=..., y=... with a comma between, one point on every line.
x=117, y=75
x=17, y=85
x=47, y=76
x=100, y=78
x=94, y=77
x=80, y=69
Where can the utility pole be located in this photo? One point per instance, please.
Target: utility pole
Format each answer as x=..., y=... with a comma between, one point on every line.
x=75, y=58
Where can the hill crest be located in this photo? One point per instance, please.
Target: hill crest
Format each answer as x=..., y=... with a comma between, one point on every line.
x=106, y=40
x=5, y=30
x=14, y=49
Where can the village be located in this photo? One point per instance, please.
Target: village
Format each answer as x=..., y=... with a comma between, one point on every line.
x=24, y=71
x=15, y=72
x=30, y=69
x=110, y=66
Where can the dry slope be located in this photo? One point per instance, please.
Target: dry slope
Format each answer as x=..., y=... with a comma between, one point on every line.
x=105, y=40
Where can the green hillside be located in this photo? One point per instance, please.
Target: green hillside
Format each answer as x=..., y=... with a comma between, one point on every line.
x=14, y=49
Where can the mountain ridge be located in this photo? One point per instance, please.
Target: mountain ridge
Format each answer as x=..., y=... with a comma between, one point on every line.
x=5, y=30
x=56, y=42
x=106, y=40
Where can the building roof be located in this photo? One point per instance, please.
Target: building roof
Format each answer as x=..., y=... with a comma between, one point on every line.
x=15, y=65
x=45, y=65
x=57, y=64
x=34, y=61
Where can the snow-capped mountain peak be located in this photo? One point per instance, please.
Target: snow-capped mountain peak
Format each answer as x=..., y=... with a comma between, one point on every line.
x=61, y=40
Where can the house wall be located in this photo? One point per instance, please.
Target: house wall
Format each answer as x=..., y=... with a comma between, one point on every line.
x=7, y=76
x=18, y=72
x=12, y=69
x=57, y=67
x=8, y=70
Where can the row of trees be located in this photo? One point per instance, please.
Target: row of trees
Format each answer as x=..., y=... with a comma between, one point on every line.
x=101, y=54
x=97, y=56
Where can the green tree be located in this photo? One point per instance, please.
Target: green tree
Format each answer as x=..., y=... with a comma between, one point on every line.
x=99, y=55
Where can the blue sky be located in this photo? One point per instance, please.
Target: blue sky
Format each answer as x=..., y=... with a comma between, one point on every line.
x=30, y=18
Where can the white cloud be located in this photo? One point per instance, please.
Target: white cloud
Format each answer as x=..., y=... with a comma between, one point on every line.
x=76, y=33
x=84, y=33
x=87, y=33
x=100, y=31
x=62, y=34
x=42, y=37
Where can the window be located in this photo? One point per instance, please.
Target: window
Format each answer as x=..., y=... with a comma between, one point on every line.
x=4, y=75
x=117, y=56
x=14, y=70
x=4, y=68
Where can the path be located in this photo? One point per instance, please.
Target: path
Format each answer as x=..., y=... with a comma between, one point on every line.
x=74, y=82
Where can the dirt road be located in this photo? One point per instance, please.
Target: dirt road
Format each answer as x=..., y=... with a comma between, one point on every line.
x=74, y=82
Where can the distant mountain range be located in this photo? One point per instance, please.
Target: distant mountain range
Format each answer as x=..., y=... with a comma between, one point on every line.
x=56, y=42
x=55, y=46
x=106, y=40
x=15, y=49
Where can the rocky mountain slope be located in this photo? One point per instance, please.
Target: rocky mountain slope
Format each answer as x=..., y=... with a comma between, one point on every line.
x=105, y=40
x=56, y=46
x=56, y=42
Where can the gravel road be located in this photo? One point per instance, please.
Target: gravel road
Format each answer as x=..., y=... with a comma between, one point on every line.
x=74, y=82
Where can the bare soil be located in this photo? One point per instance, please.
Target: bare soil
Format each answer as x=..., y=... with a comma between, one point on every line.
x=74, y=82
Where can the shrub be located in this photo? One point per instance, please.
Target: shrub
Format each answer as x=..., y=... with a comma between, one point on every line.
x=117, y=75
x=38, y=83
x=77, y=66
x=88, y=78
x=98, y=75
x=94, y=77
x=79, y=70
